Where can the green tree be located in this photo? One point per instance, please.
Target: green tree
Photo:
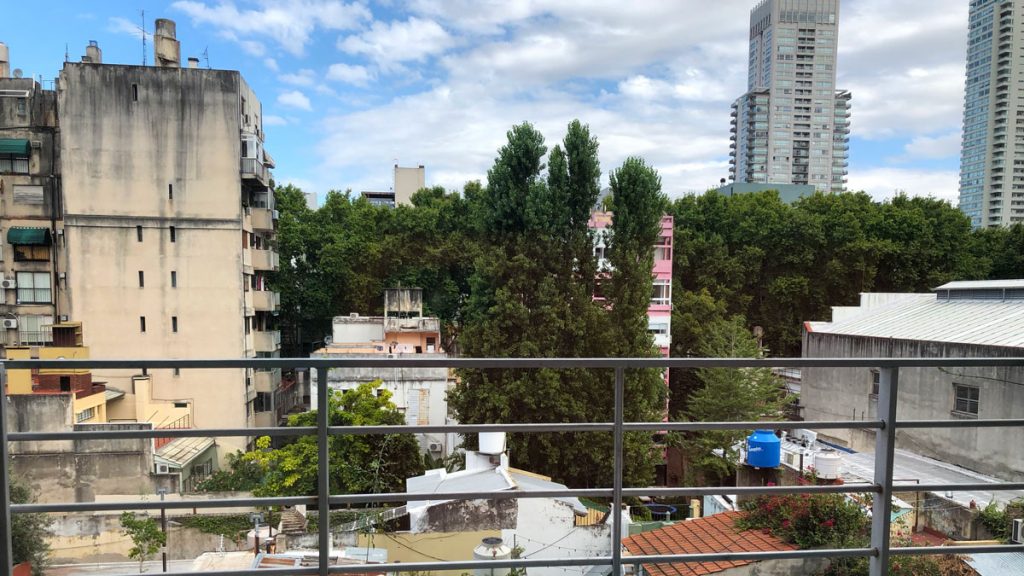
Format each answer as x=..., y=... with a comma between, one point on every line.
x=29, y=532
x=729, y=394
x=146, y=537
x=370, y=463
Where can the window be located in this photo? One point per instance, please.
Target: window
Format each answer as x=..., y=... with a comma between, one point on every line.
x=431, y=344
x=33, y=287
x=142, y=279
x=31, y=253
x=965, y=399
x=170, y=191
x=658, y=328
x=138, y=233
x=180, y=404
x=142, y=323
x=263, y=402
x=662, y=253
x=135, y=92
x=87, y=414
x=174, y=323
x=177, y=372
x=33, y=329
x=65, y=383
x=662, y=293
x=173, y=235
x=876, y=380
x=174, y=279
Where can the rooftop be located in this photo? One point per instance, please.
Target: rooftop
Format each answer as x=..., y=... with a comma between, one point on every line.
x=717, y=533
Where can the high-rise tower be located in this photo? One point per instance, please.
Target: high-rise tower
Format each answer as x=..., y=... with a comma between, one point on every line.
x=792, y=126
x=991, y=172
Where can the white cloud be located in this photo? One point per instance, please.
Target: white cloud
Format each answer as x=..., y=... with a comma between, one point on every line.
x=932, y=147
x=350, y=74
x=884, y=183
x=271, y=63
x=121, y=25
x=272, y=120
x=303, y=77
x=388, y=44
x=290, y=23
x=908, y=102
x=294, y=99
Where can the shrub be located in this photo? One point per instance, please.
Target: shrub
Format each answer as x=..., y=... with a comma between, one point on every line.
x=807, y=520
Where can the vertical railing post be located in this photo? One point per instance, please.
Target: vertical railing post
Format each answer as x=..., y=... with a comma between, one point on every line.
x=617, y=481
x=323, y=392
x=6, y=549
x=885, y=444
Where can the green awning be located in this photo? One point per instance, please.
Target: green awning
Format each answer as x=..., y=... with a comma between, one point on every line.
x=14, y=146
x=29, y=236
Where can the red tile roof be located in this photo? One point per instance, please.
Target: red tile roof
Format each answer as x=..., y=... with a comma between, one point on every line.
x=717, y=533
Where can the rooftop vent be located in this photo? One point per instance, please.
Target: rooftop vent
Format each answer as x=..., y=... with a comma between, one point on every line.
x=984, y=290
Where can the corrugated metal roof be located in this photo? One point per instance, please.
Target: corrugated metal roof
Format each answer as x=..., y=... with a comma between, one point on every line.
x=982, y=284
x=997, y=564
x=982, y=322
x=488, y=479
x=184, y=450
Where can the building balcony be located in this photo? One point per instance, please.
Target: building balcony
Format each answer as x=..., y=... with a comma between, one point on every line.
x=267, y=340
x=265, y=260
x=263, y=218
x=265, y=300
x=267, y=380
x=252, y=169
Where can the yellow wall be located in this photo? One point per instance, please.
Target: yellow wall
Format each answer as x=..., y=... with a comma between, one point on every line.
x=428, y=546
x=97, y=401
x=20, y=381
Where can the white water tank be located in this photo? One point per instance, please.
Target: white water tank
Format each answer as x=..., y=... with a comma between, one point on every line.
x=826, y=464
x=492, y=549
x=492, y=443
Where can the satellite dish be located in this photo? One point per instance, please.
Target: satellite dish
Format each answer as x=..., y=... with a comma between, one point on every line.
x=18, y=73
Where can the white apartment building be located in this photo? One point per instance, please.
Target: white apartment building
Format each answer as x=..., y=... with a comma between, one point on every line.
x=792, y=125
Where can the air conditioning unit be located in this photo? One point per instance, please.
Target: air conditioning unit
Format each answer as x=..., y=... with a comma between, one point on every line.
x=36, y=144
x=8, y=284
x=161, y=469
x=10, y=323
x=1017, y=532
x=434, y=447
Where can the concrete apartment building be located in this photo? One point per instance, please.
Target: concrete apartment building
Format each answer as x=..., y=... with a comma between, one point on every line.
x=793, y=125
x=140, y=195
x=407, y=181
x=992, y=158
x=974, y=319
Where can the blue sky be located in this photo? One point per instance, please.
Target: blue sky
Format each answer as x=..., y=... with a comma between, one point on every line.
x=350, y=87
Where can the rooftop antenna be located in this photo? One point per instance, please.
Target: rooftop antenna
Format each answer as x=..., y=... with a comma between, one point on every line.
x=142, y=30
x=66, y=56
x=206, y=56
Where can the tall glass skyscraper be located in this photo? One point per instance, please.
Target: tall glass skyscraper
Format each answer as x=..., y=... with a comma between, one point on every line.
x=792, y=126
x=992, y=157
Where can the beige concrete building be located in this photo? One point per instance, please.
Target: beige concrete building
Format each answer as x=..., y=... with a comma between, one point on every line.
x=140, y=206
x=408, y=181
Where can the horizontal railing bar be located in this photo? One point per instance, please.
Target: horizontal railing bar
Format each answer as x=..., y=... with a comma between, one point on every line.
x=771, y=555
x=283, y=571
x=980, y=549
x=989, y=423
x=511, y=363
x=157, y=504
x=159, y=433
x=470, y=428
x=850, y=488
x=967, y=487
x=787, y=425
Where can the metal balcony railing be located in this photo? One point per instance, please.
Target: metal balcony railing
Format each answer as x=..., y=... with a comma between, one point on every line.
x=886, y=424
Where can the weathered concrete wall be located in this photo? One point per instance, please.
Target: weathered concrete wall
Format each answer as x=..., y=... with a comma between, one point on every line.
x=130, y=133
x=467, y=515
x=925, y=393
x=545, y=528
x=949, y=518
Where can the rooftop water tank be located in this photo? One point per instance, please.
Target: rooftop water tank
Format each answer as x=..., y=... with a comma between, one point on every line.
x=763, y=449
x=826, y=464
x=492, y=549
x=492, y=443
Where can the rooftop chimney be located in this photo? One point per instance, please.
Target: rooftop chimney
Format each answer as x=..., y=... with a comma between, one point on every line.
x=93, y=54
x=193, y=62
x=5, y=61
x=166, y=49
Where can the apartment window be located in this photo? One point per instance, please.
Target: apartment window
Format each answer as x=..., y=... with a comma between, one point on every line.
x=135, y=92
x=87, y=414
x=177, y=372
x=876, y=381
x=965, y=400
x=173, y=235
x=174, y=279
x=662, y=293
x=174, y=323
x=431, y=344
x=658, y=328
x=142, y=328
x=65, y=383
x=33, y=287
x=138, y=233
x=263, y=402
x=31, y=253
x=13, y=164
x=170, y=191
x=142, y=279
x=180, y=404
x=35, y=329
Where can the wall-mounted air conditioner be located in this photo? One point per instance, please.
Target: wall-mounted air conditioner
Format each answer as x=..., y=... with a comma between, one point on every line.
x=161, y=469
x=36, y=144
x=434, y=447
x=8, y=284
x=10, y=323
x=1017, y=532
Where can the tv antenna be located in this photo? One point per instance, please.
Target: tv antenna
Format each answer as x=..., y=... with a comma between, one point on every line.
x=142, y=31
x=206, y=56
x=66, y=56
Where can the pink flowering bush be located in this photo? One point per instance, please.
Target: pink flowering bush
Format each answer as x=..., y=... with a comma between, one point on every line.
x=808, y=520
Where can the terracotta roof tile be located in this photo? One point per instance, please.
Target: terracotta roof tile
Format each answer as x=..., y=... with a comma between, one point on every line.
x=717, y=533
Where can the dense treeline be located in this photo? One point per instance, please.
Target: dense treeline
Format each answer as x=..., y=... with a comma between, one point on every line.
x=509, y=270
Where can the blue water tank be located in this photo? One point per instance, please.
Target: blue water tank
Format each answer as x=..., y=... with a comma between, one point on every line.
x=763, y=449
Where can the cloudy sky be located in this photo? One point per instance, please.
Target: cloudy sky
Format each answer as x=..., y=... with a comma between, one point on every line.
x=350, y=87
